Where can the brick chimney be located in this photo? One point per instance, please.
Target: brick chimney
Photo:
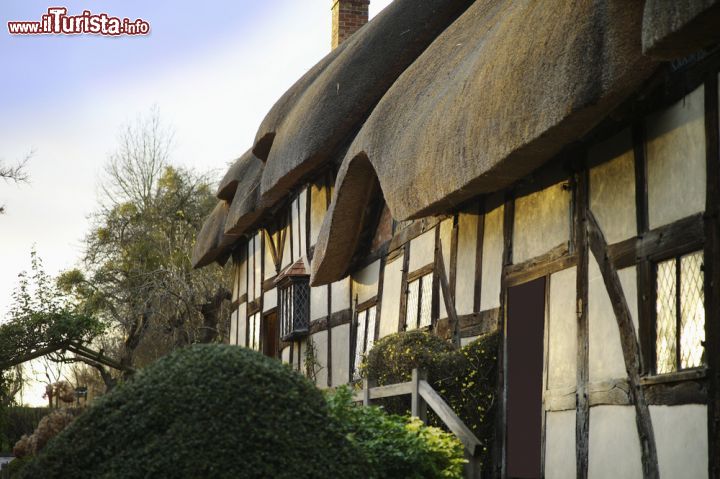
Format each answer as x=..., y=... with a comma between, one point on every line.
x=347, y=17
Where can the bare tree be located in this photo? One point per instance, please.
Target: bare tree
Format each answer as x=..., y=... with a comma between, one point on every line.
x=15, y=173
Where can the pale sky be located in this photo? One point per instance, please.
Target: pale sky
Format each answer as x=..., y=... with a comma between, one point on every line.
x=213, y=69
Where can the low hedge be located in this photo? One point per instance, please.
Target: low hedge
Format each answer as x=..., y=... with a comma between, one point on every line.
x=18, y=421
x=466, y=378
x=205, y=411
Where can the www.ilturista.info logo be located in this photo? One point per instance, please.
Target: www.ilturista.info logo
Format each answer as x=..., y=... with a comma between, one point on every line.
x=58, y=22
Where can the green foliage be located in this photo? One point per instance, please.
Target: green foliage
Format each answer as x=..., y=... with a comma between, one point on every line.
x=14, y=467
x=466, y=378
x=395, y=446
x=204, y=411
x=41, y=318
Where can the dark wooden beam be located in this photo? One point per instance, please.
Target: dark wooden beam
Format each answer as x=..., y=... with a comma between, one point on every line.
x=630, y=347
x=712, y=270
x=404, y=287
x=501, y=418
x=557, y=259
x=420, y=272
x=415, y=229
x=581, y=209
x=447, y=296
x=378, y=306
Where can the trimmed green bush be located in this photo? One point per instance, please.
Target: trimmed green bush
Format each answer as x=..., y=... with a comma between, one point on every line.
x=466, y=378
x=205, y=411
x=396, y=446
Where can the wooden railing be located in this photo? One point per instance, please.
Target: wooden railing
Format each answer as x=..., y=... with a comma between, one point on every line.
x=423, y=395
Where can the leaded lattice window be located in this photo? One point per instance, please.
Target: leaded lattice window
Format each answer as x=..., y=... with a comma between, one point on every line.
x=419, y=303
x=294, y=307
x=364, y=336
x=680, y=314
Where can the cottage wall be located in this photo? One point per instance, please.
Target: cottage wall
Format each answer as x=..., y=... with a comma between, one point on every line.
x=488, y=245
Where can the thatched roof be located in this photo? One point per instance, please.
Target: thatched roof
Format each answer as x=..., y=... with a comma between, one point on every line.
x=212, y=244
x=501, y=91
x=678, y=28
x=323, y=109
x=238, y=174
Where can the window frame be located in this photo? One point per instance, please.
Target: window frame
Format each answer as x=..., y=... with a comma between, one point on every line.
x=362, y=310
x=420, y=275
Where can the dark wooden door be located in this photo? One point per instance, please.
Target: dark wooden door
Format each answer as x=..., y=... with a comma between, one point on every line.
x=525, y=325
x=271, y=335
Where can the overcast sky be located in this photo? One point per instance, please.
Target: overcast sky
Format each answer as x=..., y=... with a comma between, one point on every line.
x=212, y=68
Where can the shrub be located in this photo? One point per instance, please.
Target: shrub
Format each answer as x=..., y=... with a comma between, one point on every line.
x=204, y=411
x=21, y=420
x=396, y=446
x=466, y=378
x=49, y=427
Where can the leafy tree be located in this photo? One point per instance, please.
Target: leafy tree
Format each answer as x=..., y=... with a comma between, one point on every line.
x=137, y=275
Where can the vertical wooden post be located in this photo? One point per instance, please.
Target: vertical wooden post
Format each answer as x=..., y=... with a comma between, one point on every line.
x=582, y=414
x=712, y=272
x=404, y=286
x=367, y=384
x=501, y=421
x=418, y=407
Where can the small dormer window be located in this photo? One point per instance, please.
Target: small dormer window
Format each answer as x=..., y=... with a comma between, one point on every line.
x=294, y=302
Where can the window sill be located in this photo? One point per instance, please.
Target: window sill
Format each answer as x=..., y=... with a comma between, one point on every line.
x=677, y=376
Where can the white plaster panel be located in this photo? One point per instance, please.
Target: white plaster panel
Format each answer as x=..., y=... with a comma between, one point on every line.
x=560, y=445
x=340, y=354
x=676, y=160
x=542, y=221
x=422, y=250
x=251, y=269
x=465, y=341
x=318, y=302
x=605, y=350
x=300, y=358
x=258, y=264
x=295, y=222
x=365, y=282
x=269, y=265
x=341, y=295
x=287, y=249
x=492, y=260
x=320, y=340
x=233, y=328
x=562, y=330
x=390, y=307
x=318, y=208
x=240, y=280
x=467, y=251
x=612, y=187
x=242, y=324
x=285, y=355
x=269, y=299
x=446, y=227
x=613, y=446
x=681, y=440
x=303, y=223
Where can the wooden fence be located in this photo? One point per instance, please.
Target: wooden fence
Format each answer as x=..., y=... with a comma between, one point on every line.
x=423, y=395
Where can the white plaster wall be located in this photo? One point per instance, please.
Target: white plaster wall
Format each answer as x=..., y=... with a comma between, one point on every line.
x=295, y=222
x=301, y=348
x=303, y=224
x=251, y=270
x=318, y=302
x=340, y=356
x=287, y=249
x=269, y=299
x=612, y=187
x=341, y=295
x=560, y=445
x=465, y=341
x=321, y=342
x=390, y=307
x=467, y=251
x=542, y=221
x=318, y=208
x=242, y=324
x=605, y=351
x=446, y=227
x=422, y=250
x=242, y=277
x=614, y=447
x=365, y=282
x=285, y=355
x=492, y=260
x=233, y=328
x=562, y=330
x=676, y=160
x=258, y=264
x=681, y=440
x=269, y=265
